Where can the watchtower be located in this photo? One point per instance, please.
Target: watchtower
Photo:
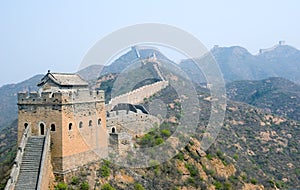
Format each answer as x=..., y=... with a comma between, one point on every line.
x=75, y=115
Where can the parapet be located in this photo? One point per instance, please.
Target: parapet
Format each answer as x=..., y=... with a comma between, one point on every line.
x=79, y=96
x=60, y=97
x=36, y=98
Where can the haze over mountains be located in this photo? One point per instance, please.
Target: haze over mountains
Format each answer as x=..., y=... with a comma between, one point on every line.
x=235, y=62
x=254, y=146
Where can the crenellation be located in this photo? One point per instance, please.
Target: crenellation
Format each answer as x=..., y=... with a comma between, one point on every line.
x=35, y=98
x=60, y=97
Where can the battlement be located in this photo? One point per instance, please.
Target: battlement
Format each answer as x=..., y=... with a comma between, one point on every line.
x=60, y=97
x=137, y=96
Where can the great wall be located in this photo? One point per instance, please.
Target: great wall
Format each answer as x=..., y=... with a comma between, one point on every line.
x=65, y=126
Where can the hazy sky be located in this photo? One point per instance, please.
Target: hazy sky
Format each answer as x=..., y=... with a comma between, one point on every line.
x=36, y=36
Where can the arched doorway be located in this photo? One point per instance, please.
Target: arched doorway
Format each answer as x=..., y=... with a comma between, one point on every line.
x=42, y=129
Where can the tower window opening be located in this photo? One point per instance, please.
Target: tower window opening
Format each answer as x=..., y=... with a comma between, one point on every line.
x=70, y=126
x=25, y=125
x=42, y=129
x=99, y=122
x=90, y=123
x=113, y=130
x=52, y=127
x=80, y=124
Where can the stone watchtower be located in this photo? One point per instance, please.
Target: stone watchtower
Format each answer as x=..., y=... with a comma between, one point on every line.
x=75, y=116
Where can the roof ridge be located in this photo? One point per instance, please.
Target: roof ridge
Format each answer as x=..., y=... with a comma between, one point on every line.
x=65, y=73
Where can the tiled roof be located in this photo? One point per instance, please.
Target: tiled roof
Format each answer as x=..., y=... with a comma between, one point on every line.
x=64, y=79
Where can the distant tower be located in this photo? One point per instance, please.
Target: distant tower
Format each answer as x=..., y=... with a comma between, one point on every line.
x=281, y=43
x=75, y=116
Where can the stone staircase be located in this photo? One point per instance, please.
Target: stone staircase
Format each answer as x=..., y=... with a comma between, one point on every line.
x=30, y=166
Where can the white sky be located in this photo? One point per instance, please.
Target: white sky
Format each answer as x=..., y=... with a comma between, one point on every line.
x=36, y=36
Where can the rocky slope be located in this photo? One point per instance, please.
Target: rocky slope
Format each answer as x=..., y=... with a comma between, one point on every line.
x=274, y=95
x=254, y=150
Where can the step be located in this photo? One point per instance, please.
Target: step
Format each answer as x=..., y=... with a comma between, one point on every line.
x=30, y=165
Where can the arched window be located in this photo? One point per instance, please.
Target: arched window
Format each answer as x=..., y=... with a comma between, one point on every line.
x=25, y=125
x=113, y=130
x=42, y=128
x=70, y=126
x=52, y=127
x=90, y=123
x=99, y=122
x=80, y=124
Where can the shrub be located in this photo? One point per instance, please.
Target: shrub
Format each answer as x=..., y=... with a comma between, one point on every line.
x=191, y=180
x=209, y=156
x=166, y=132
x=159, y=141
x=218, y=185
x=227, y=186
x=180, y=156
x=236, y=157
x=192, y=169
x=253, y=181
x=84, y=186
x=74, y=180
x=138, y=186
x=107, y=186
x=61, y=186
x=104, y=171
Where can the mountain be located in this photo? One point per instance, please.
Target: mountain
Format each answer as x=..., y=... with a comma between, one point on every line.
x=236, y=63
x=134, y=55
x=276, y=95
x=91, y=72
x=8, y=150
x=254, y=150
x=8, y=98
x=263, y=148
x=254, y=147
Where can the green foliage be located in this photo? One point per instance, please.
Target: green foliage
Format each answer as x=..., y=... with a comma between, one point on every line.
x=75, y=180
x=159, y=141
x=84, y=186
x=218, y=185
x=61, y=186
x=297, y=171
x=104, y=171
x=192, y=169
x=233, y=179
x=138, y=186
x=2, y=186
x=147, y=139
x=236, y=157
x=253, y=181
x=107, y=186
x=281, y=184
x=227, y=186
x=209, y=156
x=166, y=132
x=190, y=180
x=180, y=156
x=153, y=163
